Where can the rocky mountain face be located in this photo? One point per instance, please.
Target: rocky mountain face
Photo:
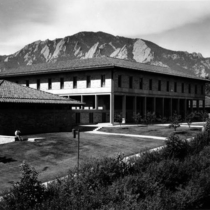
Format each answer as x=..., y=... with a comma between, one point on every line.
x=89, y=44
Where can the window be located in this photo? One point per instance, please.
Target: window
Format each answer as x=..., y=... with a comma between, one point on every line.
x=27, y=83
x=130, y=82
x=167, y=86
x=119, y=81
x=88, y=81
x=102, y=80
x=159, y=85
x=175, y=87
x=61, y=83
x=74, y=82
x=182, y=87
x=196, y=89
x=77, y=117
x=38, y=84
x=141, y=83
x=189, y=88
x=49, y=84
x=150, y=84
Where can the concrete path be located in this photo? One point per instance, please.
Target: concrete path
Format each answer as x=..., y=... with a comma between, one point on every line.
x=122, y=134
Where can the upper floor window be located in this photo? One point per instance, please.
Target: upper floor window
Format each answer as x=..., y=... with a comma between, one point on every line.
x=119, y=81
x=189, y=88
x=38, y=84
x=182, y=87
x=167, y=86
x=74, y=82
x=61, y=83
x=49, y=84
x=141, y=83
x=27, y=83
x=150, y=84
x=159, y=85
x=175, y=87
x=196, y=89
x=88, y=81
x=130, y=82
x=102, y=80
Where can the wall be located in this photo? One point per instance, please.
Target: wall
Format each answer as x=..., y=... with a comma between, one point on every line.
x=95, y=86
x=39, y=119
x=125, y=74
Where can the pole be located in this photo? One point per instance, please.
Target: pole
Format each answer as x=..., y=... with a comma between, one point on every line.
x=78, y=144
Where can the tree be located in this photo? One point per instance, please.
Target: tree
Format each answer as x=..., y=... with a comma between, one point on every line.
x=149, y=118
x=175, y=121
x=27, y=193
x=190, y=117
x=137, y=118
x=118, y=118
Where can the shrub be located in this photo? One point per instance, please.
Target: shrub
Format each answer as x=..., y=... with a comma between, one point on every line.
x=176, y=147
x=27, y=193
x=175, y=121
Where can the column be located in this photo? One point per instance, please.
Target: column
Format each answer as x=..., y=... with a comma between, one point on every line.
x=124, y=109
x=134, y=105
x=171, y=111
x=96, y=102
x=154, y=105
x=197, y=105
x=112, y=108
x=191, y=105
x=145, y=106
x=178, y=106
x=82, y=100
x=163, y=107
x=185, y=108
x=203, y=105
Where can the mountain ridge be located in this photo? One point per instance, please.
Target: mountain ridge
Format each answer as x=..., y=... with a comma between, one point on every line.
x=84, y=45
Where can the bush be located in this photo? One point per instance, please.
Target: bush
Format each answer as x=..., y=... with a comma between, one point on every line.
x=27, y=193
x=176, y=147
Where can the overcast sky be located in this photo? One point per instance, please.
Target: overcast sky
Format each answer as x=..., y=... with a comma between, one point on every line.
x=177, y=25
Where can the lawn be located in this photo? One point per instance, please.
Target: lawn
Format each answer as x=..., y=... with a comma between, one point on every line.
x=55, y=155
x=153, y=130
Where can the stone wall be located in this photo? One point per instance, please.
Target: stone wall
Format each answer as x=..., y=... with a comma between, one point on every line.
x=34, y=119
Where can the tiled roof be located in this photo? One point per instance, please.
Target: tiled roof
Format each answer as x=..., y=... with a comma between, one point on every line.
x=14, y=93
x=92, y=64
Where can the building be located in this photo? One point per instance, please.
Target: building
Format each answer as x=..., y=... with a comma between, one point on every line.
x=108, y=86
x=33, y=111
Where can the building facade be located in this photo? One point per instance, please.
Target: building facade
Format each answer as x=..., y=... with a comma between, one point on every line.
x=108, y=86
x=32, y=111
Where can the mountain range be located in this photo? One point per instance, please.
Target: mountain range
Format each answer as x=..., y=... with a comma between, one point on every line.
x=85, y=45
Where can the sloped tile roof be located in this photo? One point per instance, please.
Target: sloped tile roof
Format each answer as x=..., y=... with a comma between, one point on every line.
x=14, y=93
x=92, y=64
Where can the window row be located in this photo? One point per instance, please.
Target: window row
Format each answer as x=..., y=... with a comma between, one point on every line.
x=88, y=82
x=169, y=85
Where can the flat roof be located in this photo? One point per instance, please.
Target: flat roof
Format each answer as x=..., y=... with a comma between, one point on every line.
x=94, y=64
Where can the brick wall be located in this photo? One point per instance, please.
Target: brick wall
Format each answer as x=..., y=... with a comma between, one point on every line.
x=34, y=120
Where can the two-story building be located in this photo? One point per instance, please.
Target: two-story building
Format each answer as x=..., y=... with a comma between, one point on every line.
x=108, y=86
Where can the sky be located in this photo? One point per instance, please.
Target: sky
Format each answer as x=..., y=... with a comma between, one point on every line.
x=181, y=25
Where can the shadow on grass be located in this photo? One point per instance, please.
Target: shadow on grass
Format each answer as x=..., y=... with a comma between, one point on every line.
x=4, y=159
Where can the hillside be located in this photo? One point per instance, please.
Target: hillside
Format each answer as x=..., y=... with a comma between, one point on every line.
x=90, y=44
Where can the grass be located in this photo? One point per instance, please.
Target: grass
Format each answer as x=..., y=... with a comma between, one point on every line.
x=153, y=130
x=55, y=155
